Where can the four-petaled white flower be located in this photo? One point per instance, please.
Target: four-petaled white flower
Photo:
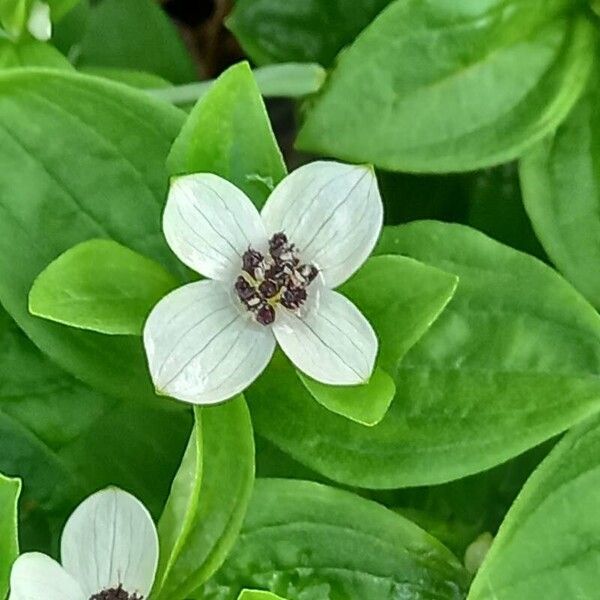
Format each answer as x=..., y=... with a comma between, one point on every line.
x=271, y=279
x=109, y=551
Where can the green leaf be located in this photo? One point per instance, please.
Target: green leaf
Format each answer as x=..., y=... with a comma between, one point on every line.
x=30, y=53
x=512, y=361
x=547, y=545
x=208, y=500
x=561, y=192
x=302, y=540
x=366, y=404
x=442, y=86
x=136, y=34
x=10, y=489
x=401, y=298
x=101, y=286
x=271, y=31
x=242, y=148
x=258, y=595
x=106, y=178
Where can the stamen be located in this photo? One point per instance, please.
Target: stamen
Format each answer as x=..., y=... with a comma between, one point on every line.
x=278, y=278
x=268, y=288
x=251, y=261
x=265, y=314
x=115, y=594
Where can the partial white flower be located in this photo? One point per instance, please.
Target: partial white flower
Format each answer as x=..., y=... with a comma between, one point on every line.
x=39, y=24
x=271, y=279
x=109, y=551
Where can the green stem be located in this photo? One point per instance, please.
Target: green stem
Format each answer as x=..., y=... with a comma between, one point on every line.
x=286, y=80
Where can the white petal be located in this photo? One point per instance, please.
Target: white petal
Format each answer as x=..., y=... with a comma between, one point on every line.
x=39, y=24
x=36, y=576
x=333, y=343
x=332, y=212
x=209, y=224
x=111, y=540
x=201, y=348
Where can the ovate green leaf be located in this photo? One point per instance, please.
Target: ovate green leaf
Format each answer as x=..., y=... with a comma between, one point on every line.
x=228, y=133
x=547, y=546
x=437, y=86
x=208, y=499
x=101, y=286
x=302, y=540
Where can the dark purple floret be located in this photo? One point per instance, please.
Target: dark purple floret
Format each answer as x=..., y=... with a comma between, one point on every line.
x=278, y=241
x=268, y=288
x=252, y=260
x=244, y=290
x=293, y=297
x=265, y=314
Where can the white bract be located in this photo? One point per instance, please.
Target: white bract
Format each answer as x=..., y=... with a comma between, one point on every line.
x=271, y=279
x=109, y=550
x=39, y=24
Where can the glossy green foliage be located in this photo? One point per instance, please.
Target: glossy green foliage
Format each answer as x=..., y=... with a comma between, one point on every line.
x=513, y=360
x=106, y=178
x=102, y=286
x=561, y=191
x=547, y=546
x=478, y=82
x=305, y=541
x=272, y=31
x=228, y=133
x=208, y=500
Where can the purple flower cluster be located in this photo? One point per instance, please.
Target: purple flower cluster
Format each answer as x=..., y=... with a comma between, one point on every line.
x=278, y=278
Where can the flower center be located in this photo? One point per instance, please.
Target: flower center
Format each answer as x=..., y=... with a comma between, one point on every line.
x=115, y=594
x=276, y=279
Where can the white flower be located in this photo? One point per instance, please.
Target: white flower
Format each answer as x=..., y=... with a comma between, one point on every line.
x=39, y=24
x=271, y=279
x=109, y=551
